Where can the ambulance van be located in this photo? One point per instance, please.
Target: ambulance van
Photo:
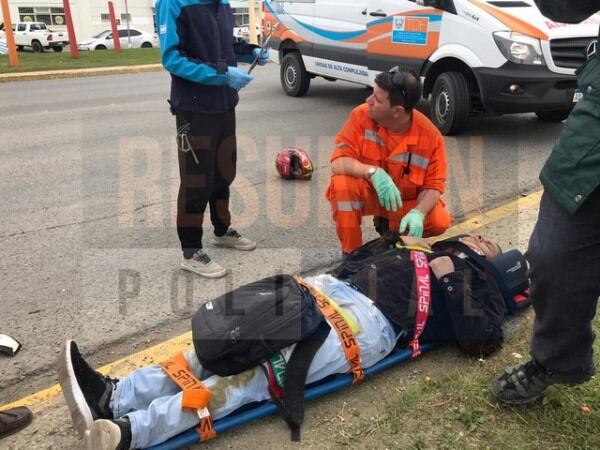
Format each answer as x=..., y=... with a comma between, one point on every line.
x=474, y=56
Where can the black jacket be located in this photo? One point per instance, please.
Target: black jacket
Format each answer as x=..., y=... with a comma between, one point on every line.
x=466, y=305
x=197, y=46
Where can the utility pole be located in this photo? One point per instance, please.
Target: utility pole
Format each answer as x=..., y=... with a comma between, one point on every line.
x=71, y=30
x=113, y=25
x=252, y=22
x=13, y=58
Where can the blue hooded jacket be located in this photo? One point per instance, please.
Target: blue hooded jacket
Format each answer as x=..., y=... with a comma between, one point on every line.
x=197, y=45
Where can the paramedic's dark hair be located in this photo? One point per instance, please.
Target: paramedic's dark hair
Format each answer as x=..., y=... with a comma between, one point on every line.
x=403, y=87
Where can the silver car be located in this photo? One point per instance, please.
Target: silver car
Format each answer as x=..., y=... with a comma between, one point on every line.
x=104, y=40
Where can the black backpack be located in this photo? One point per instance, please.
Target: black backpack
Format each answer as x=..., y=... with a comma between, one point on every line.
x=243, y=328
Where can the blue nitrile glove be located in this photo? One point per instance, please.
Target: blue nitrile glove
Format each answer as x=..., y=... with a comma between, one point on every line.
x=388, y=193
x=414, y=220
x=237, y=78
x=264, y=55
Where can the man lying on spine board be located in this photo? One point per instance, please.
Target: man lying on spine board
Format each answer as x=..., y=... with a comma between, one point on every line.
x=269, y=338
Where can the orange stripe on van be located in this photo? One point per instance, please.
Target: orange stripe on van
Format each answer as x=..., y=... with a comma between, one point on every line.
x=512, y=22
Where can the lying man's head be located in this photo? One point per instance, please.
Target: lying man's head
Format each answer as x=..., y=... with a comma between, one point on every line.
x=479, y=244
x=485, y=247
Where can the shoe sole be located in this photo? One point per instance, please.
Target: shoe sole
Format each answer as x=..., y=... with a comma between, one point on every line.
x=514, y=402
x=246, y=248
x=78, y=407
x=104, y=435
x=219, y=274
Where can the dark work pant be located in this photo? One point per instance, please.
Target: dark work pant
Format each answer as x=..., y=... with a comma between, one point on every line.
x=564, y=258
x=212, y=136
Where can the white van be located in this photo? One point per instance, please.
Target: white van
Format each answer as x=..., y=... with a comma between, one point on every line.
x=495, y=56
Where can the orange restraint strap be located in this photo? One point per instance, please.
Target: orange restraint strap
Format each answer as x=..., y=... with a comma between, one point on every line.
x=196, y=396
x=341, y=327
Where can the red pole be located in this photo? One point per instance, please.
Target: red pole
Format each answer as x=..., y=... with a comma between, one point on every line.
x=113, y=24
x=71, y=30
x=13, y=58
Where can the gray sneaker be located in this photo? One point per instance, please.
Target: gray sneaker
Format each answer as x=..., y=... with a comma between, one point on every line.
x=233, y=239
x=202, y=265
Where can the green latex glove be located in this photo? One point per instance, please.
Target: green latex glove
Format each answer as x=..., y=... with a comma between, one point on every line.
x=388, y=193
x=414, y=220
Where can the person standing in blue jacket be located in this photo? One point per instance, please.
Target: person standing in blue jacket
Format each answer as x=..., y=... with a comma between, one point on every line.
x=564, y=249
x=199, y=50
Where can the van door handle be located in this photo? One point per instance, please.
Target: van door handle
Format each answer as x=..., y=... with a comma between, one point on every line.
x=378, y=13
x=364, y=12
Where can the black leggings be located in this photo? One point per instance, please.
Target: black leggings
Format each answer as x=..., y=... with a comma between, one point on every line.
x=212, y=137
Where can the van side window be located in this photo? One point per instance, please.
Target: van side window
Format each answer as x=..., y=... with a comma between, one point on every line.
x=445, y=5
x=22, y=27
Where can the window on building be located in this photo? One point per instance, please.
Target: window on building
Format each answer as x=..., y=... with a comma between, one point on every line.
x=106, y=18
x=50, y=16
x=125, y=17
x=240, y=16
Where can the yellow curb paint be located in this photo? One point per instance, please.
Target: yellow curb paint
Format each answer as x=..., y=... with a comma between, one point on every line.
x=121, y=367
x=78, y=73
x=157, y=353
x=494, y=215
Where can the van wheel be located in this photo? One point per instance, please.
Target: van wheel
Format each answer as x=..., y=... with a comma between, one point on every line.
x=450, y=103
x=295, y=80
x=37, y=47
x=554, y=116
x=100, y=47
x=146, y=45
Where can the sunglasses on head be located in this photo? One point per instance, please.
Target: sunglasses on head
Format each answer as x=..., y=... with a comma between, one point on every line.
x=399, y=82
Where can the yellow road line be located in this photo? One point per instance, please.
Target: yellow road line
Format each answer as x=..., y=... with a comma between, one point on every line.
x=162, y=351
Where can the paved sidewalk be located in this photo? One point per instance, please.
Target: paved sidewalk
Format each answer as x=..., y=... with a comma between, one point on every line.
x=78, y=73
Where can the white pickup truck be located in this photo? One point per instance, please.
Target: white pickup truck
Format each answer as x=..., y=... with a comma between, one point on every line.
x=37, y=36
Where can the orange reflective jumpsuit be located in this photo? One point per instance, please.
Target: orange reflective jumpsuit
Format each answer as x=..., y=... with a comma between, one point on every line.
x=415, y=160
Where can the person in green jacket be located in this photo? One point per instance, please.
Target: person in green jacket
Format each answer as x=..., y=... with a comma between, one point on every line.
x=564, y=249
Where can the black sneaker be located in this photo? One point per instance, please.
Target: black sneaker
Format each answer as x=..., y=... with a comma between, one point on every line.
x=526, y=383
x=86, y=391
x=109, y=435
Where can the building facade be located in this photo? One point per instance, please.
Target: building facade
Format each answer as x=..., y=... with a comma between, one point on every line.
x=91, y=17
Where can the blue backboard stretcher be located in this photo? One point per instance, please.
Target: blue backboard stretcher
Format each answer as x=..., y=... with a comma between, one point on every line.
x=258, y=410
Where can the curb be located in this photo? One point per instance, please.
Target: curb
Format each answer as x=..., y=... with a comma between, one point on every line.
x=79, y=73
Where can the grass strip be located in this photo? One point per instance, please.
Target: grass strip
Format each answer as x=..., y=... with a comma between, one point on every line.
x=49, y=60
x=455, y=410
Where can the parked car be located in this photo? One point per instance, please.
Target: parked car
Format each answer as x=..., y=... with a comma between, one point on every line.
x=37, y=36
x=243, y=32
x=104, y=40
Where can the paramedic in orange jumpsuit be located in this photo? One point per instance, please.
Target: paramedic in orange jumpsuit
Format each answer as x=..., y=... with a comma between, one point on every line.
x=389, y=161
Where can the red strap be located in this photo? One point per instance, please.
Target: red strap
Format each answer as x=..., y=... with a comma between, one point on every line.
x=423, y=298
